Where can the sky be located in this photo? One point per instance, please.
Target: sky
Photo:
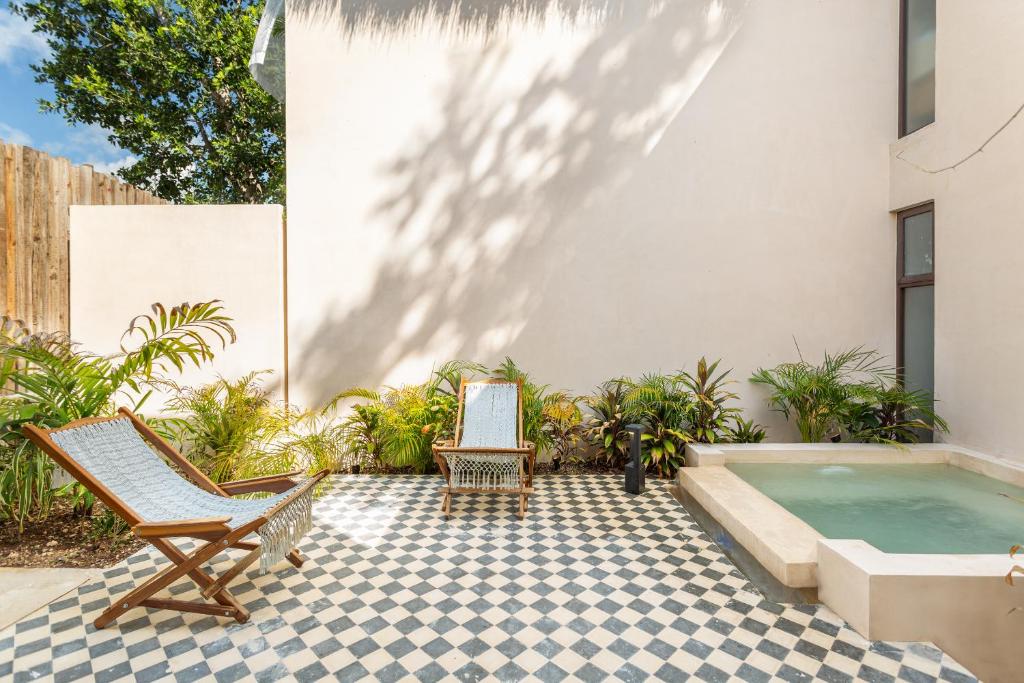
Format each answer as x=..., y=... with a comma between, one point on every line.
x=21, y=121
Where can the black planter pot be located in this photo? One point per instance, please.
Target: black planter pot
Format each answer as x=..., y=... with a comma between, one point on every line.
x=556, y=464
x=355, y=469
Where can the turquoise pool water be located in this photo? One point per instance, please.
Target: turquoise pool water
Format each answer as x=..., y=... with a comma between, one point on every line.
x=896, y=508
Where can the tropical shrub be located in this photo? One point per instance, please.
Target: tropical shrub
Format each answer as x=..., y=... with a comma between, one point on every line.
x=234, y=430
x=563, y=425
x=395, y=428
x=853, y=395
x=709, y=415
x=663, y=405
x=361, y=433
x=108, y=525
x=606, y=424
x=49, y=380
x=745, y=431
x=224, y=427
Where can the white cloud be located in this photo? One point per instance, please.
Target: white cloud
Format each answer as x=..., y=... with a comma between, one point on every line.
x=112, y=167
x=91, y=145
x=15, y=135
x=16, y=37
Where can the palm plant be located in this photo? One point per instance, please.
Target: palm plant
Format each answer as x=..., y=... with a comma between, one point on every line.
x=853, y=394
x=663, y=404
x=226, y=428
x=396, y=427
x=892, y=414
x=235, y=430
x=709, y=417
x=448, y=377
x=361, y=434
x=49, y=380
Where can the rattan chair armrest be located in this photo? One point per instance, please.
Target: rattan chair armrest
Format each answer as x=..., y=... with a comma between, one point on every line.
x=201, y=527
x=273, y=483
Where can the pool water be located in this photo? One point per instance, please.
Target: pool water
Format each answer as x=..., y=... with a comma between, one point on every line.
x=897, y=508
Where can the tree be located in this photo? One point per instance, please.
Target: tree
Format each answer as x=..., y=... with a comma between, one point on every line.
x=169, y=79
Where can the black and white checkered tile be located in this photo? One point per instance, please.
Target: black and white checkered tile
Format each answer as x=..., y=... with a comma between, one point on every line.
x=594, y=584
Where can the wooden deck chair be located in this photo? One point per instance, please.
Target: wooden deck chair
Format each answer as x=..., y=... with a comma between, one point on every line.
x=114, y=458
x=489, y=453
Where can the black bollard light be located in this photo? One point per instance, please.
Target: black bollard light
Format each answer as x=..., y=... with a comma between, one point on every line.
x=635, y=467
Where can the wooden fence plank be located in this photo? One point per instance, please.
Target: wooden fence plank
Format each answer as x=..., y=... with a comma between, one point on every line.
x=36, y=193
x=6, y=227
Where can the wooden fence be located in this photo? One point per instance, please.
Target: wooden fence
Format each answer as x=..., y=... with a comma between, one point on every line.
x=36, y=191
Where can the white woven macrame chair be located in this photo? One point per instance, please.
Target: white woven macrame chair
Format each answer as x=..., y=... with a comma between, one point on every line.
x=117, y=459
x=489, y=453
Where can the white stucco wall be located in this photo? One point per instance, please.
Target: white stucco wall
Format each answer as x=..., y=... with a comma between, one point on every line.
x=592, y=194
x=979, y=217
x=125, y=258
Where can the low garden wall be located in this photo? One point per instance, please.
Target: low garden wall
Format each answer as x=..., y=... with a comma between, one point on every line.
x=125, y=258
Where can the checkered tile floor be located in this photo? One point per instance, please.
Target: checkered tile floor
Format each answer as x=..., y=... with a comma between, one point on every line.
x=594, y=584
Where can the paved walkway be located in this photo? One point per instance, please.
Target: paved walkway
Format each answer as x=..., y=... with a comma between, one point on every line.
x=27, y=589
x=595, y=584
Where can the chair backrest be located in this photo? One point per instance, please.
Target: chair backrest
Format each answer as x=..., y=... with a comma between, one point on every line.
x=490, y=414
x=111, y=458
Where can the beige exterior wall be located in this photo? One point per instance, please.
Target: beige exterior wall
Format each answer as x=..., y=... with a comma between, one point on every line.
x=591, y=194
x=979, y=259
x=124, y=258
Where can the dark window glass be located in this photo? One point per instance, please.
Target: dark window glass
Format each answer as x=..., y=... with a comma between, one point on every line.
x=917, y=244
x=917, y=68
x=915, y=286
x=919, y=338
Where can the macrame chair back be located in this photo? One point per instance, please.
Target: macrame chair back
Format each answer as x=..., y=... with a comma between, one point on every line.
x=491, y=415
x=144, y=485
x=120, y=459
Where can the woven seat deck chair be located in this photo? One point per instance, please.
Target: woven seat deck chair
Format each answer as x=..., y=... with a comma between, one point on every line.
x=116, y=459
x=489, y=453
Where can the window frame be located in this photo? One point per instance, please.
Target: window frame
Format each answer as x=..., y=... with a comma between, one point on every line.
x=904, y=282
x=903, y=28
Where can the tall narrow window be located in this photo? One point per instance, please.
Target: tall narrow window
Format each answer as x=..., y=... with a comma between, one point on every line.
x=917, y=64
x=915, y=304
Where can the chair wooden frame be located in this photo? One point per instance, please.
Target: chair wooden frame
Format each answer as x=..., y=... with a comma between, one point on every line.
x=526, y=449
x=214, y=530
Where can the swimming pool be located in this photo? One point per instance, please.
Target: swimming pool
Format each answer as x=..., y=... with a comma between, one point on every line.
x=903, y=543
x=898, y=508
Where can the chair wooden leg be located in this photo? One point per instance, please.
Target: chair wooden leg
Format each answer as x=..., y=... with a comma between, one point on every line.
x=224, y=579
x=197, y=607
x=201, y=578
x=295, y=557
x=180, y=566
x=522, y=505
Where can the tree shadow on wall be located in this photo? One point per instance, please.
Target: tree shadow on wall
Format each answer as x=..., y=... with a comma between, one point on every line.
x=489, y=212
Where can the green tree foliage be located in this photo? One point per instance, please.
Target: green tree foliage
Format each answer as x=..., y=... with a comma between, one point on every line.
x=170, y=81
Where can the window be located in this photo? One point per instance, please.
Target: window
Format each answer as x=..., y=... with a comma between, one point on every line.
x=915, y=303
x=917, y=64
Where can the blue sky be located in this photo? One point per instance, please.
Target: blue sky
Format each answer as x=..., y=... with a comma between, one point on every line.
x=20, y=118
